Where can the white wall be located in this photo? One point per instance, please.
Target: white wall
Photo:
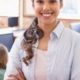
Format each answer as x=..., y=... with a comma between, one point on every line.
x=9, y=7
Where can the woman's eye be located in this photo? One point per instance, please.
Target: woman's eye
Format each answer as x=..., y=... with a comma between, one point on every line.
x=39, y=1
x=52, y=1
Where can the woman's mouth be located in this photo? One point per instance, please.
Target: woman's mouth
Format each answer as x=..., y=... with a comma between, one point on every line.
x=47, y=14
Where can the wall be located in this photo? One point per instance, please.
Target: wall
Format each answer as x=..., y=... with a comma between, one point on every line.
x=3, y=21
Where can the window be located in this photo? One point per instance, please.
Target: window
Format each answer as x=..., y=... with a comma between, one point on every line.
x=71, y=9
x=9, y=7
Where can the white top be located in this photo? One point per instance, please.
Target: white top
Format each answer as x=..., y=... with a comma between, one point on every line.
x=40, y=67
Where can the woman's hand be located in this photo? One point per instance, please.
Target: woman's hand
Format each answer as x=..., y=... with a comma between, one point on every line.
x=18, y=76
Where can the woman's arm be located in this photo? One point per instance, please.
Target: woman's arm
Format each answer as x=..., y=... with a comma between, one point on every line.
x=14, y=62
x=18, y=76
x=75, y=71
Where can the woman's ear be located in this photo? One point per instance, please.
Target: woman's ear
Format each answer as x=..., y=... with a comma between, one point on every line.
x=61, y=4
x=32, y=5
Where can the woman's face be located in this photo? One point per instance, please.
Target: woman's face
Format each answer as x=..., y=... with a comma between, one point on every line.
x=47, y=10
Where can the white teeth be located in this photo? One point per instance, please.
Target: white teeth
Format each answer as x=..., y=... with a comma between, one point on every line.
x=46, y=14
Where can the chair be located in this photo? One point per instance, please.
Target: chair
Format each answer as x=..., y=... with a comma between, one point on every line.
x=6, y=38
x=75, y=27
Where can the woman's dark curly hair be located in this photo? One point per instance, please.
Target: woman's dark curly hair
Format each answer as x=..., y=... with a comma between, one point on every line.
x=31, y=35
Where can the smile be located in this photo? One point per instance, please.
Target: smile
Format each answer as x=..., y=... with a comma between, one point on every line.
x=47, y=13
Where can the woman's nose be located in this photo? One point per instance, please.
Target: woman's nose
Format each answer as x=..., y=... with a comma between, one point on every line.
x=46, y=6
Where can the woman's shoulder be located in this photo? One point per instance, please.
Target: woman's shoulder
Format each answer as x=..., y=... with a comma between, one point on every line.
x=17, y=45
x=72, y=32
x=18, y=40
x=75, y=36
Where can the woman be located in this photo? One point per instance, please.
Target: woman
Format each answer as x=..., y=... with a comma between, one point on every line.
x=3, y=60
x=46, y=50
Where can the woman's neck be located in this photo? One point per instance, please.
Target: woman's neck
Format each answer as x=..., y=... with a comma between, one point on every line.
x=48, y=28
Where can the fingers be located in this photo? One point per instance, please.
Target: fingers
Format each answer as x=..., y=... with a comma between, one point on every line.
x=12, y=77
x=20, y=74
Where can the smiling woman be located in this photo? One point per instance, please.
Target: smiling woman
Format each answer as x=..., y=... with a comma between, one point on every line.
x=71, y=9
x=46, y=50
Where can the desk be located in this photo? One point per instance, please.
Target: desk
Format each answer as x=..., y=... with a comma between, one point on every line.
x=17, y=33
x=8, y=30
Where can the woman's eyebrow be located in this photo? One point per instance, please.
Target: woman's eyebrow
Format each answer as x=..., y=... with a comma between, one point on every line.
x=52, y=0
